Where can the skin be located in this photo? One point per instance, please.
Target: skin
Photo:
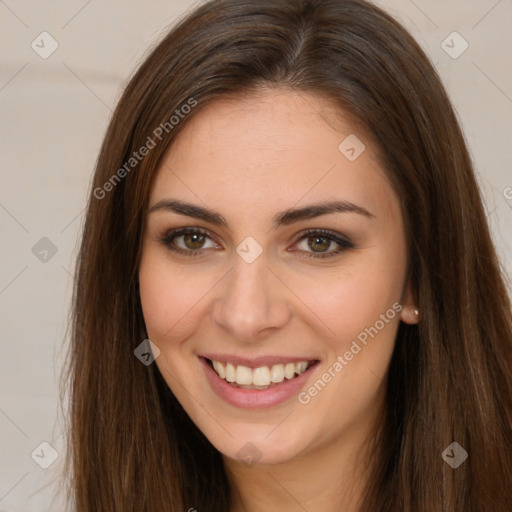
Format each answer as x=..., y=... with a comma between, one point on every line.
x=248, y=158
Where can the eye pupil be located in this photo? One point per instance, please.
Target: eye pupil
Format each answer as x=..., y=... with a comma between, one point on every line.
x=196, y=240
x=313, y=240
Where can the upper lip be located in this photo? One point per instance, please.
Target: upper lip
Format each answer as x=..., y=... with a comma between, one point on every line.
x=255, y=362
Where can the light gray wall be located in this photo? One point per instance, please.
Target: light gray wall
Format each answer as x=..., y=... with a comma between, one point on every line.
x=54, y=114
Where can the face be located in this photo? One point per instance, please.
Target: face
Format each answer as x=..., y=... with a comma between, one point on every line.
x=274, y=313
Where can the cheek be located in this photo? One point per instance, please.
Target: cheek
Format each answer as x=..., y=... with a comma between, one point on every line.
x=350, y=301
x=358, y=311
x=170, y=299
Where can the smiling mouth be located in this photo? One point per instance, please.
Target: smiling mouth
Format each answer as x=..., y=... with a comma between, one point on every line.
x=260, y=378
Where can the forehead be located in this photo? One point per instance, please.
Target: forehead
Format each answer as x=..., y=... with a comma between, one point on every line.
x=271, y=149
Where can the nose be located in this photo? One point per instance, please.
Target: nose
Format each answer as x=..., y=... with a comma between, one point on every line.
x=253, y=302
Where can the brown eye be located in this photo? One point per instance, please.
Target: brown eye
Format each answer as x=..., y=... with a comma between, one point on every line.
x=188, y=241
x=319, y=243
x=193, y=240
x=316, y=243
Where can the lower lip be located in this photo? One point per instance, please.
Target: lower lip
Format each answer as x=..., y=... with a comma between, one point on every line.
x=255, y=398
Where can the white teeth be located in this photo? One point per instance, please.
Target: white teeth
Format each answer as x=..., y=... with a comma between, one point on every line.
x=260, y=377
x=300, y=367
x=219, y=368
x=289, y=370
x=243, y=375
x=230, y=372
x=277, y=373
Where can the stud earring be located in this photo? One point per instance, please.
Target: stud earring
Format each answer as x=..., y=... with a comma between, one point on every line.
x=416, y=312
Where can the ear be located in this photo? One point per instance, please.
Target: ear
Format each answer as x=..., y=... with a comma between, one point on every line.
x=410, y=313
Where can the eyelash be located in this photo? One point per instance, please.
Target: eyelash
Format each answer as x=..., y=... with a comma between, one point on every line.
x=343, y=243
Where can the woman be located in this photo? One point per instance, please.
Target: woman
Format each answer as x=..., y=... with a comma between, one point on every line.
x=285, y=206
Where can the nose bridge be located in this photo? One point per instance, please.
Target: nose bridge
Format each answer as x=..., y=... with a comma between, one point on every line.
x=252, y=300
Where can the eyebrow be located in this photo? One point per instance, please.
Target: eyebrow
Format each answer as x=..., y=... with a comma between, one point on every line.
x=284, y=218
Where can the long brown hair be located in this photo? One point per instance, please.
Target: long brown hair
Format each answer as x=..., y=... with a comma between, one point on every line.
x=131, y=445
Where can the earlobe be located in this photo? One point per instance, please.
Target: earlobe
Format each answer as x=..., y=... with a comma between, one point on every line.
x=410, y=314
